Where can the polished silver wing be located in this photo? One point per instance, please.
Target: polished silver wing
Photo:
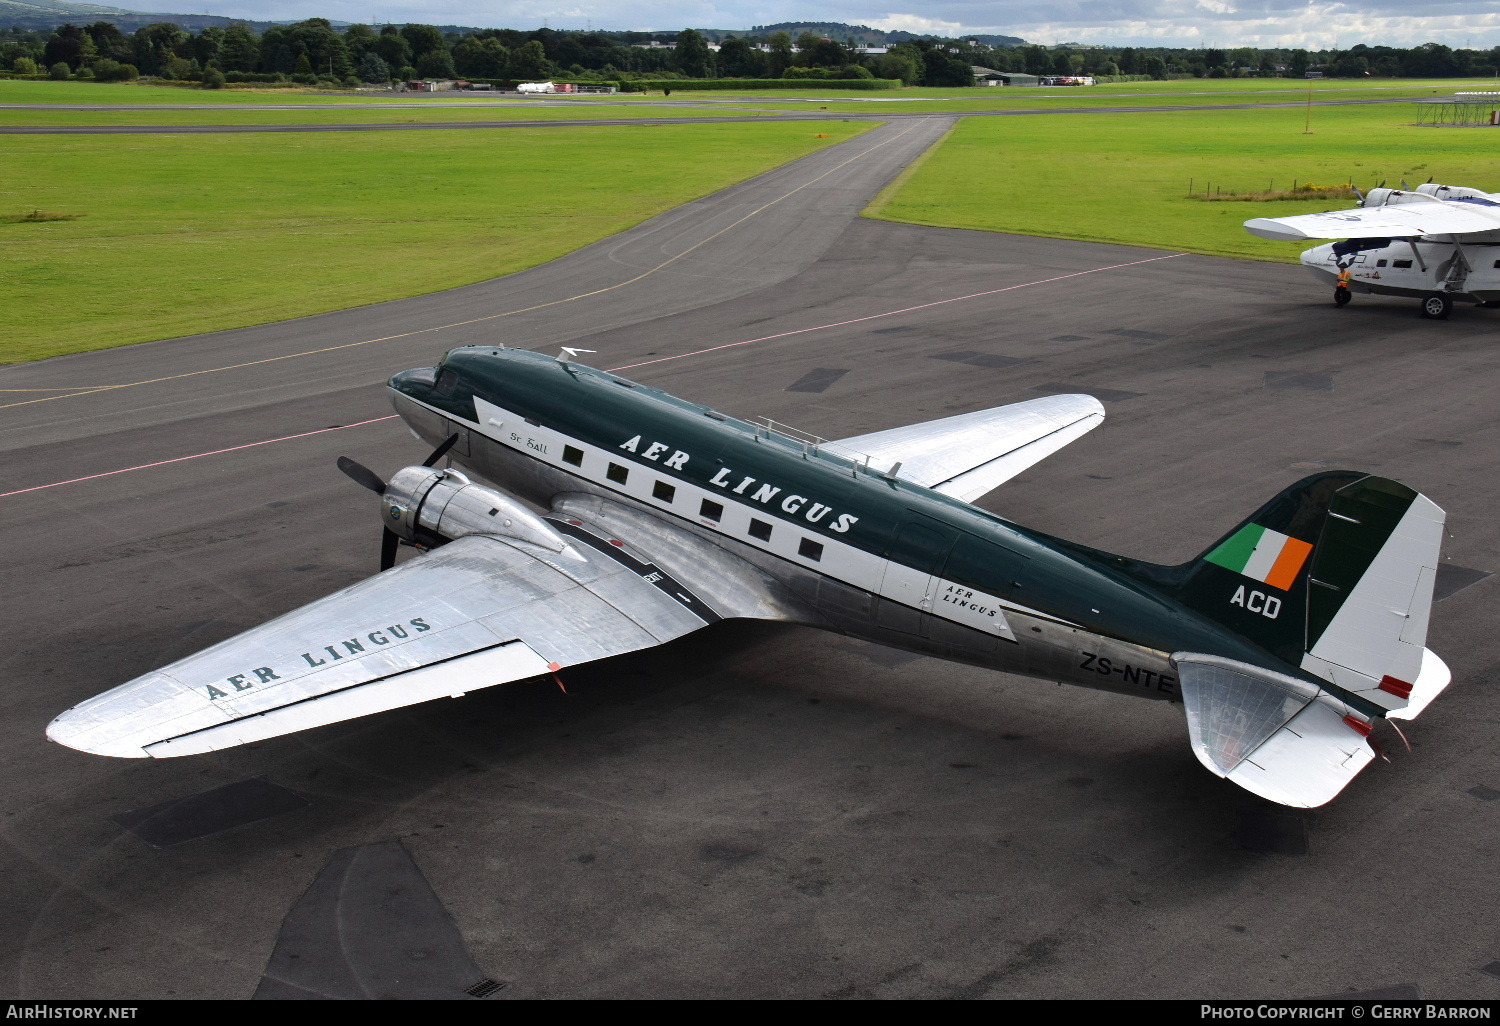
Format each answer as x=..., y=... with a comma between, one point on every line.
x=479, y=611
x=971, y=454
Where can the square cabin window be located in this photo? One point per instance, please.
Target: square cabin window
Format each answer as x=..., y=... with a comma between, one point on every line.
x=573, y=455
x=1380, y=263
x=663, y=491
x=711, y=510
x=617, y=473
x=809, y=549
x=760, y=529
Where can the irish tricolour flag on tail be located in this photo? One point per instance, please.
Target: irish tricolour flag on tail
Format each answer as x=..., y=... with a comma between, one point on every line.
x=1262, y=555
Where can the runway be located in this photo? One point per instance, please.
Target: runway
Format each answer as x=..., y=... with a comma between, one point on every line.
x=753, y=811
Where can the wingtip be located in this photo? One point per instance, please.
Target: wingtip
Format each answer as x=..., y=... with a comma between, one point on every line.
x=1267, y=228
x=68, y=731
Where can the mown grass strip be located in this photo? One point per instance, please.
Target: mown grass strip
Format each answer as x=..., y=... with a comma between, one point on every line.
x=1131, y=178
x=393, y=116
x=197, y=233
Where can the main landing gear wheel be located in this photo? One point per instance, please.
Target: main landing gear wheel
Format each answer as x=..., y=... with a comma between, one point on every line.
x=1437, y=306
x=1341, y=296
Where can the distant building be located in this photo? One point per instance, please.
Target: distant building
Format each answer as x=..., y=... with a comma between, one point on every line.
x=1017, y=78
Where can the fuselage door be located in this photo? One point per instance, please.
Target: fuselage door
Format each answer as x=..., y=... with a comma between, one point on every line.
x=914, y=558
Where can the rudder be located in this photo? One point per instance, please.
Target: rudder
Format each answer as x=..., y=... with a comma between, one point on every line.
x=1334, y=576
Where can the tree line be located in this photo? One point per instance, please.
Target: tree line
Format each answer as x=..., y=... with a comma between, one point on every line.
x=314, y=51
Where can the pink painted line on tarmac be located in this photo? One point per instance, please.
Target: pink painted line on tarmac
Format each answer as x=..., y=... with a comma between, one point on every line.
x=195, y=456
x=893, y=313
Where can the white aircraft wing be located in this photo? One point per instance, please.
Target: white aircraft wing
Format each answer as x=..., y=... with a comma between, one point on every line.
x=971, y=454
x=1400, y=220
x=471, y=614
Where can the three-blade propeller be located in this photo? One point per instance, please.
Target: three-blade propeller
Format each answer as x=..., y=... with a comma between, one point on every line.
x=363, y=476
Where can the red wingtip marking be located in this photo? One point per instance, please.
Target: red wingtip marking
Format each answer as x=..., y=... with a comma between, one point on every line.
x=1359, y=726
x=616, y=541
x=1399, y=688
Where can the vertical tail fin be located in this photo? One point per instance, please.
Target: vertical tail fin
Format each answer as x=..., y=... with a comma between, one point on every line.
x=1335, y=576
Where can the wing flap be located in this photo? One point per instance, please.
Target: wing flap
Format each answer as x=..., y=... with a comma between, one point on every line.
x=452, y=678
x=972, y=454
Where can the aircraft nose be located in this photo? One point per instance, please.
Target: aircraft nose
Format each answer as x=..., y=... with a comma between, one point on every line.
x=418, y=379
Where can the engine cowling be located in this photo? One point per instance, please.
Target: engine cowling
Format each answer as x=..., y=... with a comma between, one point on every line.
x=428, y=507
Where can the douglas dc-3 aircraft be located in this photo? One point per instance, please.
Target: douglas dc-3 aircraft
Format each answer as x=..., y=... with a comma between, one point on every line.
x=1286, y=642
x=1436, y=243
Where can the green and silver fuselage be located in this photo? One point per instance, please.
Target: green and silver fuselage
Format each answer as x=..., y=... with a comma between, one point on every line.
x=874, y=555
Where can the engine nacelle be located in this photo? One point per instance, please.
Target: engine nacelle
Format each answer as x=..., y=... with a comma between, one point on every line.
x=428, y=507
x=1452, y=192
x=1391, y=197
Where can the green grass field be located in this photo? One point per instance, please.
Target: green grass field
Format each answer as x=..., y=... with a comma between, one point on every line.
x=195, y=233
x=25, y=91
x=1121, y=94
x=1124, y=178
x=321, y=116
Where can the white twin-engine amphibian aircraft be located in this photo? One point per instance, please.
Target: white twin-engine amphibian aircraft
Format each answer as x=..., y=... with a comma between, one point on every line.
x=1286, y=642
x=1436, y=243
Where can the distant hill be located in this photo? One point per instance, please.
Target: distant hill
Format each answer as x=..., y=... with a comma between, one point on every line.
x=48, y=14
x=863, y=35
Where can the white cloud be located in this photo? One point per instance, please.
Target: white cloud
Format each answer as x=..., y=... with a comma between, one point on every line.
x=914, y=23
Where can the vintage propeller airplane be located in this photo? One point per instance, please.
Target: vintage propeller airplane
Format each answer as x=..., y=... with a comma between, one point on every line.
x=1404, y=242
x=1287, y=642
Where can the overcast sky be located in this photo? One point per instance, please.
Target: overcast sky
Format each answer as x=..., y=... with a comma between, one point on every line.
x=1222, y=23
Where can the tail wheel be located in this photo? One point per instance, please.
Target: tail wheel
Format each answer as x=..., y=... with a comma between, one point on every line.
x=1341, y=296
x=1437, y=306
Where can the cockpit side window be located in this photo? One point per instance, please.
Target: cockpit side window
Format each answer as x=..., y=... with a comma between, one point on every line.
x=447, y=381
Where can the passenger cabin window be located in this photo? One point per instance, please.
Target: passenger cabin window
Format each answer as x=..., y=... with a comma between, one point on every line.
x=663, y=491
x=447, y=381
x=1380, y=263
x=711, y=510
x=809, y=549
x=760, y=529
x=1401, y=263
x=573, y=455
x=617, y=473
x=1497, y=263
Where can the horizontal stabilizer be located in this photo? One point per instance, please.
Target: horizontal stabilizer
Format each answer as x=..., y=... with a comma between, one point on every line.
x=1281, y=738
x=972, y=454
